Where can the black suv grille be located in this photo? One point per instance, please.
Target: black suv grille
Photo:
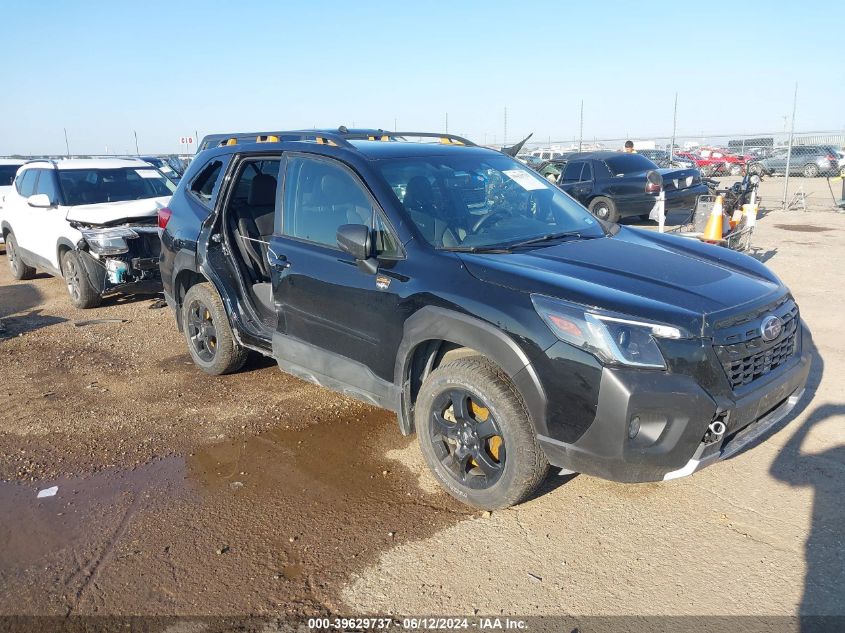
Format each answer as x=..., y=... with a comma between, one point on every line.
x=752, y=358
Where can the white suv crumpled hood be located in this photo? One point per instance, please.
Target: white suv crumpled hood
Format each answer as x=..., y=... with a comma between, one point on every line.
x=106, y=212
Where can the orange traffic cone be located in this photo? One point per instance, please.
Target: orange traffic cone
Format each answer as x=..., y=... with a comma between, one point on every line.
x=713, y=230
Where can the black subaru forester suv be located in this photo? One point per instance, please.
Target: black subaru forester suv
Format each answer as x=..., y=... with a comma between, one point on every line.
x=501, y=321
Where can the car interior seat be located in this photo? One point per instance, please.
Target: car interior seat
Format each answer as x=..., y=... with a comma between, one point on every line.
x=422, y=204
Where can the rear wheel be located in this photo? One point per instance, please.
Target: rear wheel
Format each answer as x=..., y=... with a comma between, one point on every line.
x=19, y=268
x=604, y=209
x=209, y=336
x=475, y=435
x=79, y=287
x=810, y=170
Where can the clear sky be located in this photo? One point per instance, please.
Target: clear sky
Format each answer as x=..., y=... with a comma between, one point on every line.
x=102, y=69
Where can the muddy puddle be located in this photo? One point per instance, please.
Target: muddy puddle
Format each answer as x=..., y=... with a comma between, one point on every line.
x=803, y=228
x=250, y=525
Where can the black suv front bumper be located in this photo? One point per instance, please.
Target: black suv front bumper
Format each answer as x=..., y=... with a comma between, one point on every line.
x=673, y=414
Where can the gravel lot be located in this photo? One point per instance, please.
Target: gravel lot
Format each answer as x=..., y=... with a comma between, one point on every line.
x=179, y=493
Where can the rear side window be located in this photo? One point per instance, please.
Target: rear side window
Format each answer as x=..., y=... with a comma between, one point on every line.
x=629, y=164
x=25, y=182
x=205, y=183
x=587, y=173
x=47, y=184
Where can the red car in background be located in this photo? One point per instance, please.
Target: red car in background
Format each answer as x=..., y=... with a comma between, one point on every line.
x=732, y=164
x=708, y=166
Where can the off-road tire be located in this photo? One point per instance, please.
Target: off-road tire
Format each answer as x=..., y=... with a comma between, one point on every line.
x=525, y=464
x=18, y=267
x=81, y=291
x=604, y=209
x=228, y=356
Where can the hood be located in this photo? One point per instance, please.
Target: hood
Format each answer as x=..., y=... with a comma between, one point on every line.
x=115, y=212
x=650, y=275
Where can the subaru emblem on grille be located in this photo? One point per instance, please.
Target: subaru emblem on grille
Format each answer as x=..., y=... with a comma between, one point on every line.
x=771, y=328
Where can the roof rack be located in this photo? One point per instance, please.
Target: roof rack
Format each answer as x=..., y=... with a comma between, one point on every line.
x=337, y=138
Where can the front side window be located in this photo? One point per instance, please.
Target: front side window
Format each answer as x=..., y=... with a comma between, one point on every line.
x=472, y=199
x=25, y=182
x=321, y=196
x=97, y=186
x=47, y=184
x=572, y=173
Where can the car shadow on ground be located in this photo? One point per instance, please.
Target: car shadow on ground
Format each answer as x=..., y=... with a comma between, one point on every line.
x=17, y=313
x=824, y=472
x=762, y=255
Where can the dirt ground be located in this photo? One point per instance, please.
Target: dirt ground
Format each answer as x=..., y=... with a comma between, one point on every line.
x=256, y=493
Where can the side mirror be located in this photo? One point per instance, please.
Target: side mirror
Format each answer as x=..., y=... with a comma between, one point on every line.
x=39, y=200
x=357, y=240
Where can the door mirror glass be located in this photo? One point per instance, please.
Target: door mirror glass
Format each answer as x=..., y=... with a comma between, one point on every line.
x=355, y=239
x=39, y=200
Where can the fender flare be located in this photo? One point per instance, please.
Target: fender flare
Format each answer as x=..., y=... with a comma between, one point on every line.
x=63, y=241
x=436, y=323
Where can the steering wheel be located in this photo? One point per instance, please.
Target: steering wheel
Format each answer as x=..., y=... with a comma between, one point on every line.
x=486, y=219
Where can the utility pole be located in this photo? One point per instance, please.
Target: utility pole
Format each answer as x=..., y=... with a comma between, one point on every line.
x=447, y=123
x=789, y=151
x=67, y=145
x=505, y=135
x=137, y=153
x=581, y=128
x=395, y=125
x=674, y=129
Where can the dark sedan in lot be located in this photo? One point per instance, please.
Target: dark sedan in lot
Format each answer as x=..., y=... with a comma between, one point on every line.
x=615, y=185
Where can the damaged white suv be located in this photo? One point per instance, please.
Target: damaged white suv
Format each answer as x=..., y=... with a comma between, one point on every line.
x=91, y=221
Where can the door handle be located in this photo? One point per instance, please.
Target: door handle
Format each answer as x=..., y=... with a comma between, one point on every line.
x=277, y=261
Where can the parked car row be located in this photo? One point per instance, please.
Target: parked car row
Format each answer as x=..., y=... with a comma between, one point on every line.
x=809, y=161
x=504, y=324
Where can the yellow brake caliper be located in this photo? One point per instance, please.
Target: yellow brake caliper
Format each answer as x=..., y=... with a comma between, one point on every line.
x=494, y=443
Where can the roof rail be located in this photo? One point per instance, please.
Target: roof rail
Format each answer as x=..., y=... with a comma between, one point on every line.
x=318, y=136
x=338, y=138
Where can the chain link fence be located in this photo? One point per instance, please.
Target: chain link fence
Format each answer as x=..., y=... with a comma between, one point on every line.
x=802, y=170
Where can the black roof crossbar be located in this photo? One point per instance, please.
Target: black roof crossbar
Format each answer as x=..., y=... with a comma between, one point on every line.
x=339, y=137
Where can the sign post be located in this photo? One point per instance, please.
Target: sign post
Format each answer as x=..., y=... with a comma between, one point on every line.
x=187, y=141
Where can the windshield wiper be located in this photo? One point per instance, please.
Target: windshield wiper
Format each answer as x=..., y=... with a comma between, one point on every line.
x=475, y=249
x=548, y=237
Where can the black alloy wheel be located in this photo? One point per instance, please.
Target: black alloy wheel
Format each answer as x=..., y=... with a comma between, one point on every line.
x=467, y=439
x=201, y=331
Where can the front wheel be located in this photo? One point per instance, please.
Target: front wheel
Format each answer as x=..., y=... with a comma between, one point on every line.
x=79, y=287
x=476, y=436
x=209, y=336
x=19, y=268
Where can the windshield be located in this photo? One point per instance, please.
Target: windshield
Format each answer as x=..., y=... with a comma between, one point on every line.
x=629, y=163
x=7, y=174
x=95, y=186
x=477, y=201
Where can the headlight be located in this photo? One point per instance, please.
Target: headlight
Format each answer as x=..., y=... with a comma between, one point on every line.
x=612, y=338
x=108, y=241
